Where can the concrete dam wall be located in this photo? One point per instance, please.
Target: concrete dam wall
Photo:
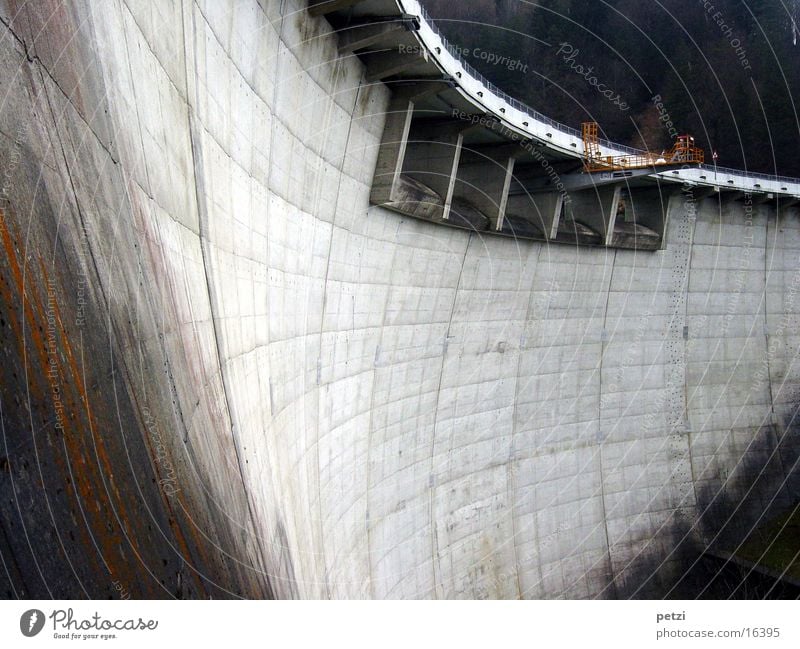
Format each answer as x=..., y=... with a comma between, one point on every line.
x=226, y=374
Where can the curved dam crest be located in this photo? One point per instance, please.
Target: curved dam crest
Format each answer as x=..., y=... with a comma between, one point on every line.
x=226, y=374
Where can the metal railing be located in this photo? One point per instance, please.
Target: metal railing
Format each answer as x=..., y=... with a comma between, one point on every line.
x=567, y=130
x=750, y=174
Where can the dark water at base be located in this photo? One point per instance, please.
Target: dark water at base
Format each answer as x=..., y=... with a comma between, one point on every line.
x=714, y=577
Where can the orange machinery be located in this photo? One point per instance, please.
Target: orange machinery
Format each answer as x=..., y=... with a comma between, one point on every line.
x=683, y=152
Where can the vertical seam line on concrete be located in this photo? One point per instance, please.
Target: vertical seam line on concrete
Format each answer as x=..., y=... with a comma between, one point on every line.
x=372, y=398
x=767, y=270
x=679, y=200
x=536, y=536
x=512, y=490
x=325, y=288
x=127, y=374
x=431, y=482
x=221, y=146
x=273, y=465
x=599, y=433
x=122, y=7
x=372, y=411
x=202, y=216
x=42, y=69
x=685, y=345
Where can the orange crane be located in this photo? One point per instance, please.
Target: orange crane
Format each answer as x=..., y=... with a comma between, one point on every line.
x=683, y=152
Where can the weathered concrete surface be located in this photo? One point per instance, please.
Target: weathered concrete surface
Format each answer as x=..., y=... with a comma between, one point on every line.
x=274, y=389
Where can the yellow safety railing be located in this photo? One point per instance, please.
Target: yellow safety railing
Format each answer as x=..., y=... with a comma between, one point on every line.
x=683, y=152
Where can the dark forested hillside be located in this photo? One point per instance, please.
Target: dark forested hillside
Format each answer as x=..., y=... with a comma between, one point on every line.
x=726, y=70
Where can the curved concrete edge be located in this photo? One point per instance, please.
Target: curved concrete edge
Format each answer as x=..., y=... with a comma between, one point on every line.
x=120, y=474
